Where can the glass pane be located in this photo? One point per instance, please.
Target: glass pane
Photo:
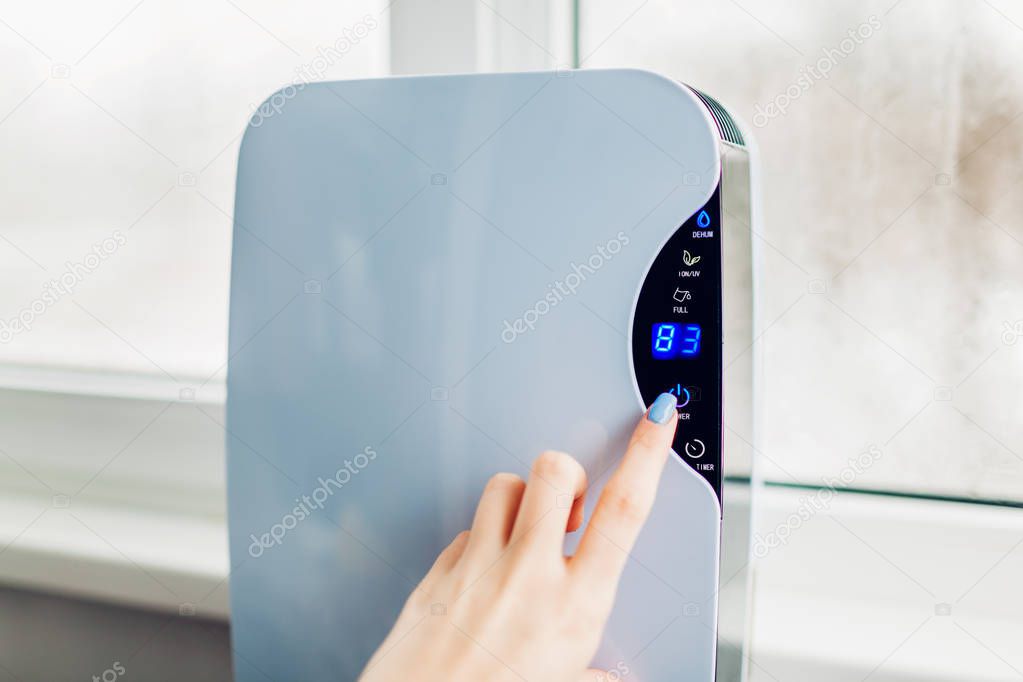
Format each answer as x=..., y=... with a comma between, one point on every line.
x=119, y=130
x=893, y=232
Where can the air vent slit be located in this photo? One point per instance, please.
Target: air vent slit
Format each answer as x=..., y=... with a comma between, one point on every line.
x=726, y=126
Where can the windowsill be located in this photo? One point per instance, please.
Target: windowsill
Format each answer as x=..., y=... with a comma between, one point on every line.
x=830, y=600
x=890, y=588
x=111, y=384
x=133, y=557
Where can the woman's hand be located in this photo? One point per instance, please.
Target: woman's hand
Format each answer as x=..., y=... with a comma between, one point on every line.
x=502, y=602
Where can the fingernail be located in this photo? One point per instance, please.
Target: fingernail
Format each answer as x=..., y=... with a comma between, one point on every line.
x=662, y=409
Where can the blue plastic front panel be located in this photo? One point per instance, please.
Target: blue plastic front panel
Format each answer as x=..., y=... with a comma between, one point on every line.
x=389, y=233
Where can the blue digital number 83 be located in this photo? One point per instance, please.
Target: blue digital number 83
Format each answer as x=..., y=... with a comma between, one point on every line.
x=672, y=340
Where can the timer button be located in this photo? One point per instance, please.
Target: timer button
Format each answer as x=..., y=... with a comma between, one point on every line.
x=695, y=448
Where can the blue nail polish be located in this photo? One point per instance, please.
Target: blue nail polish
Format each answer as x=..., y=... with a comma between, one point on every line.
x=663, y=409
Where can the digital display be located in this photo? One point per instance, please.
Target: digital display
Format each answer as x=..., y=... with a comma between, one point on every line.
x=670, y=340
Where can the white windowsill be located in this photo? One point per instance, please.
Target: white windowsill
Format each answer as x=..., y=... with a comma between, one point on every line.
x=110, y=384
x=133, y=557
x=827, y=601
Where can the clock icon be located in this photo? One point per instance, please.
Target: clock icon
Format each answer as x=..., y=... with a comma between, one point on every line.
x=695, y=448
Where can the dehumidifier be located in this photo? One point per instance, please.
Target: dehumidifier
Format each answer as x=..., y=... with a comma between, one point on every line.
x=436, y=278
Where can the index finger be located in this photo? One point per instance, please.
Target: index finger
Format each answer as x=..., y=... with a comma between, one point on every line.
x=628, y=497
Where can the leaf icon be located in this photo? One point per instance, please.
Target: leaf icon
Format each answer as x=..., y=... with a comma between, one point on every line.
x=689, y=259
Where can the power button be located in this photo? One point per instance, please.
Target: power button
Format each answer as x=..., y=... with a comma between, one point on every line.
x=681, y=393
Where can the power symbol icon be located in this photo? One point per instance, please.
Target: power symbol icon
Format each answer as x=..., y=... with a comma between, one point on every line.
x=682, y=393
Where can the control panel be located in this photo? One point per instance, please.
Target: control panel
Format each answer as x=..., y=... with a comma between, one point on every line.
x=676, y=337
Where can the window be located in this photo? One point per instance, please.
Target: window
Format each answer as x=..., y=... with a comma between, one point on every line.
x=892, y=239
x=890, y=322
x=119, y=127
